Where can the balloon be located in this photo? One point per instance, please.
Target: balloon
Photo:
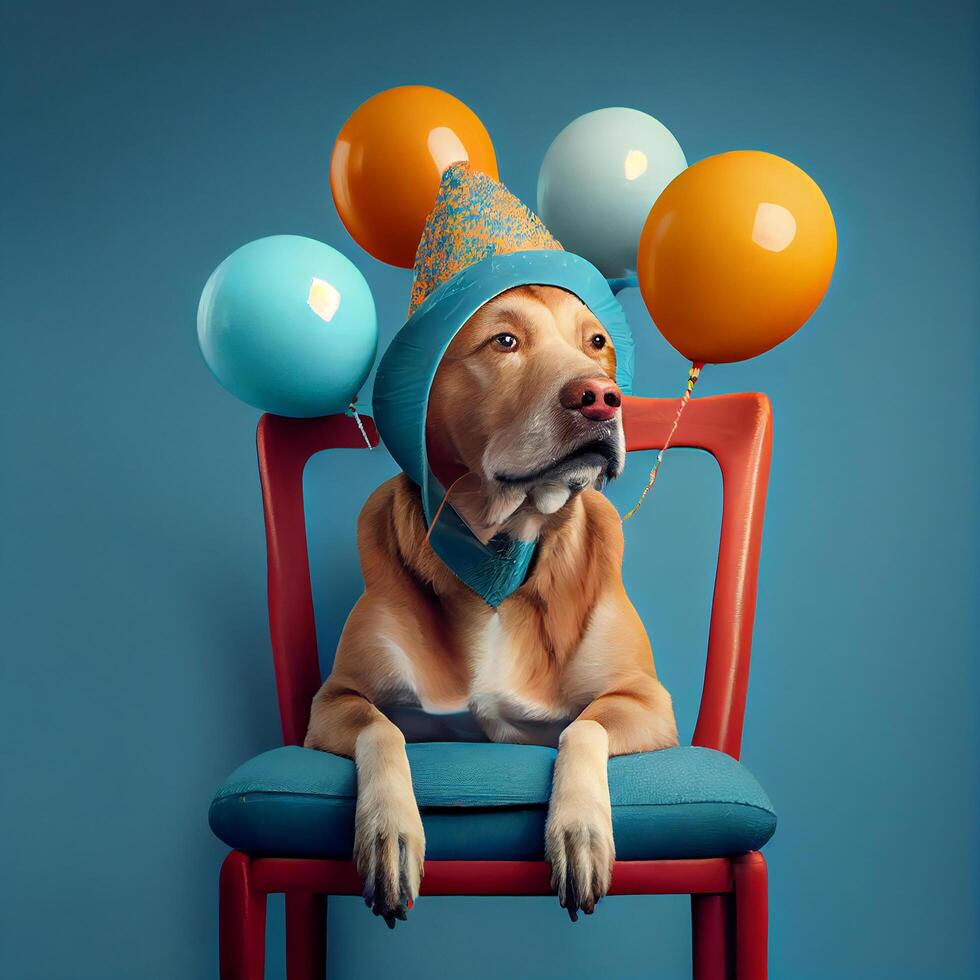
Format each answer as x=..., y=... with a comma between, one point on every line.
x=599, y=180
x=736, y=255
x=389, y=158
x=287, y=324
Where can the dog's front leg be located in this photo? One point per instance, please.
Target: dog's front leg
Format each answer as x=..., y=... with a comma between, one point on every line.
x=389, y=843
x=578, y=834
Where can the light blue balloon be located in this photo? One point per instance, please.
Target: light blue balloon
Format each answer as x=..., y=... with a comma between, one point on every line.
x=599, y=180
x=288, y=325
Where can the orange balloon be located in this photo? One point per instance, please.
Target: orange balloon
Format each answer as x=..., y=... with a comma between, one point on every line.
x=736, y=254
x=388, y=161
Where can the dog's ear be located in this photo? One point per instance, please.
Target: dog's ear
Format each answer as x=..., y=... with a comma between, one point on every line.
x=443, y=456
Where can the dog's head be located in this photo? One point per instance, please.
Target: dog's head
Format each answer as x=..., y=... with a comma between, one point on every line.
x=526, y=399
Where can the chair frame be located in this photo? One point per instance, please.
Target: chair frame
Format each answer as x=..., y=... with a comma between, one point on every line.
x=729, y=895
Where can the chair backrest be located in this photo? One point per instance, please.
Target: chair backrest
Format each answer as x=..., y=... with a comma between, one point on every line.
x=735, y=429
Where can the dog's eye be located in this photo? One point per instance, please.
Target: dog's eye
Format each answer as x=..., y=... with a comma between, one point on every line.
x=598, y=341
x=506, y=341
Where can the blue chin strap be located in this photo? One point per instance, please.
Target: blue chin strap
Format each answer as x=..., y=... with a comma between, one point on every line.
x=494, y=570
x=404, y=380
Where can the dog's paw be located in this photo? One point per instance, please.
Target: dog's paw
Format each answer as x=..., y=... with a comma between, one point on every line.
x=579, y=846
x=389, y=848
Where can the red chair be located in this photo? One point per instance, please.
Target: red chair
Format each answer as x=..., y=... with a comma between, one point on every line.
x=729, y=909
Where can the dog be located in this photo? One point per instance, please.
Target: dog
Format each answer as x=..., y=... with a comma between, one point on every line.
x=523, y=426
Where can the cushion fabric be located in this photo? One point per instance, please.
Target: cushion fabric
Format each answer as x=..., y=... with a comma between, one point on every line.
x=487, y=801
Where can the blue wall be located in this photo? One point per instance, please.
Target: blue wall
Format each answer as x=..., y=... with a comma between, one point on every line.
x=143, y=142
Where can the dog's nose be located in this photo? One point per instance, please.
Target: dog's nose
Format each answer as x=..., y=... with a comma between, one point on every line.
x=596, y=398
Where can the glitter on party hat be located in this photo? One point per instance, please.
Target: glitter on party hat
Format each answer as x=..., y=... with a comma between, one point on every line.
x=474, y=217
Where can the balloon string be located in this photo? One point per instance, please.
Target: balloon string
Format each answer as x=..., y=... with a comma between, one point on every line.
x=445, y=498
x=692, y=380
x=360, y=425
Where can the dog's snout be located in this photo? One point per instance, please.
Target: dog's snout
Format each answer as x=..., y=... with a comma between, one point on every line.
x=596, y=398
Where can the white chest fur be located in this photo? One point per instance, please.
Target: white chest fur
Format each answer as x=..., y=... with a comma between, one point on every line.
x=498, y=702
x=503, y=709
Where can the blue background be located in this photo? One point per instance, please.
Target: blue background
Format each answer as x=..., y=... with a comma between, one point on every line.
x=144, y=142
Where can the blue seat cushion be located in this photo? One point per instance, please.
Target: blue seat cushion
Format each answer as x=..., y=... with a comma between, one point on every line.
x=487, y=801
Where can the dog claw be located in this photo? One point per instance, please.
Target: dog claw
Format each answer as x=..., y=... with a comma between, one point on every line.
x=390, y=871
x=580, y=858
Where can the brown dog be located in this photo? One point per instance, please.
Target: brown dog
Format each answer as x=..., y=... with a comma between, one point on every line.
x=524, y=419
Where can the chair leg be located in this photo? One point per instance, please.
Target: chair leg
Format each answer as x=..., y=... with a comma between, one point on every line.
x=306, y=936
x=751, y=917
x=710, y=916
x=241, y=921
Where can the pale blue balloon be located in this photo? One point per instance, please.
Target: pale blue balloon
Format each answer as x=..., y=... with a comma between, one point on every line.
x=599, y=180
x=288, y=325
